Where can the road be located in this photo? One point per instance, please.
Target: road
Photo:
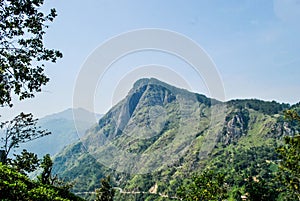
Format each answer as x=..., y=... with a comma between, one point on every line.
x=130, y=192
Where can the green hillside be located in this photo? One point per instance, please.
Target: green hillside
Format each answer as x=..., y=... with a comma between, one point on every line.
x=158, y=136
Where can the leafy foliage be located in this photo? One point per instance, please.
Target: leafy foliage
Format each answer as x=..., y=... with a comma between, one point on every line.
x=259, y=189
x=25, y=162
x=22, y=52
x=289, y=153
x=46, y=164
x=289, y=165
x=292, y=115
x=206, y=186
x=16, y=186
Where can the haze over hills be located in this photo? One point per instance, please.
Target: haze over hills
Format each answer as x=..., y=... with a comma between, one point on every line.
x=158, y=134
x=66, y=127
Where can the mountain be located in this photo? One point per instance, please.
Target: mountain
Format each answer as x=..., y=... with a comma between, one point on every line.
x=158, y=134
x=66, y=127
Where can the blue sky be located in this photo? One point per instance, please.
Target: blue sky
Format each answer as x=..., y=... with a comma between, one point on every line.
x=254, y=44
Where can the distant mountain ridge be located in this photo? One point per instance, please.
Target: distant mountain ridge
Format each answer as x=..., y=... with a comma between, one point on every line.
x=68, y=114
x=65, y=128
x=159, y=134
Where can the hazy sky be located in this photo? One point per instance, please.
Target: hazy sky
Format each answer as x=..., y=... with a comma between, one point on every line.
x=254, y=44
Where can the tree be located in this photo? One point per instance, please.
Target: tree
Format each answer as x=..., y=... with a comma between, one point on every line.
x=46, y=164
x=106, y=192
x=22, y=51
x=21, y=129
x=46, y=177
x=289, y=166
x=206, y=186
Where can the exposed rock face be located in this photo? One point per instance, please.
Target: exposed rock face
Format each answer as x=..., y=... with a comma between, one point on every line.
x=146, y=93
x=236, y=125
x=233, y=130
x=281, y=129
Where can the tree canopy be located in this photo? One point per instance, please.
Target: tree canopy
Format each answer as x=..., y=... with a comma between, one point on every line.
x=289, y=166
x=22, y=50
x=208, y=185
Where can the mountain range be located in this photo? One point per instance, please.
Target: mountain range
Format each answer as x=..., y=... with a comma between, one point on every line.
x=159, y=134
x=66, y=127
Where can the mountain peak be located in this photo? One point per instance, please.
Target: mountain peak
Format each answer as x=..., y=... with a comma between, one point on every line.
x=146, y=81
x=141, y=83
